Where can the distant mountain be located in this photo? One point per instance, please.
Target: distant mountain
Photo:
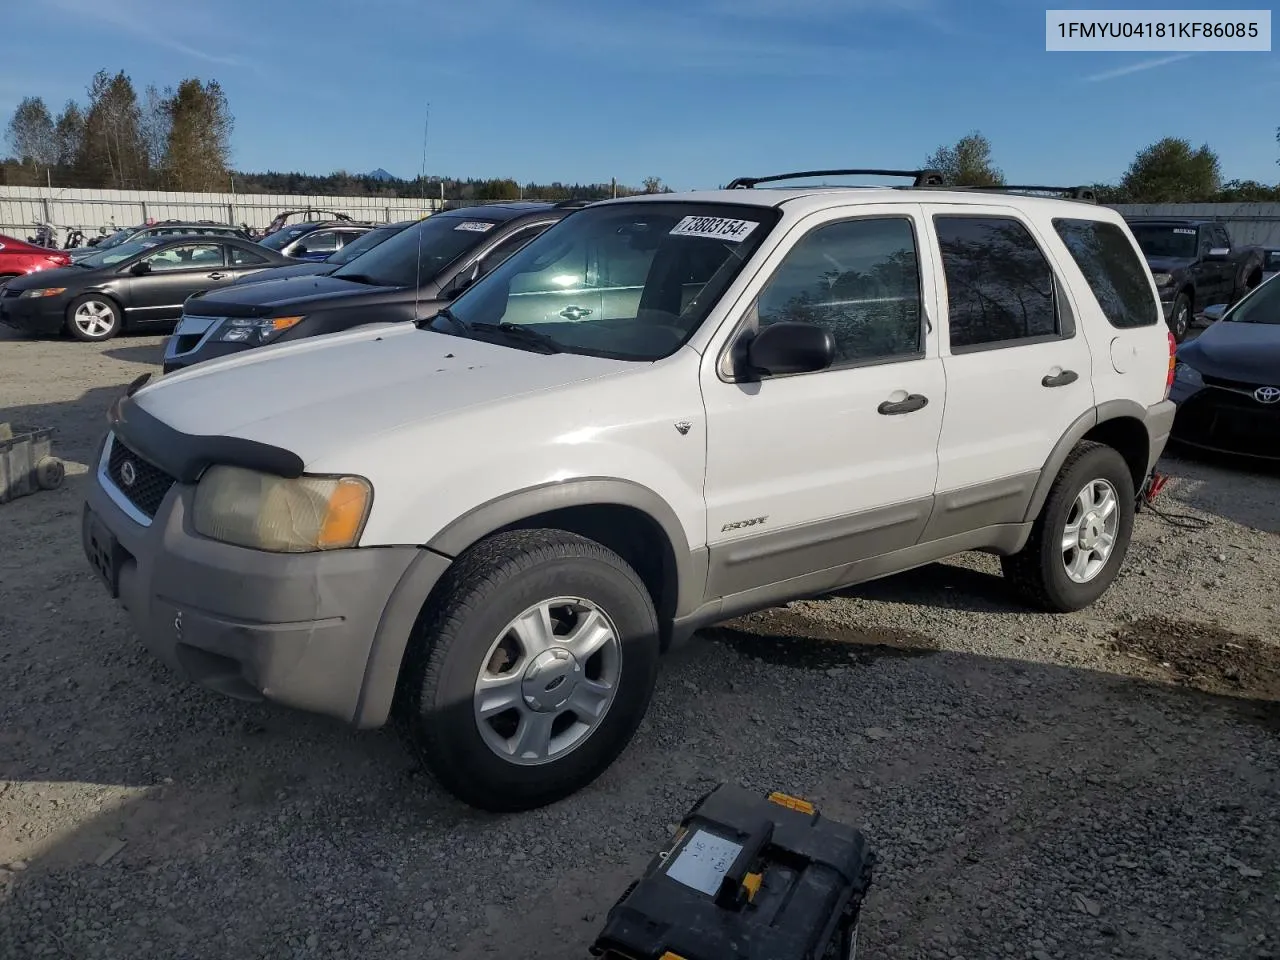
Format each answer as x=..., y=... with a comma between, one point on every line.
x=381, y=174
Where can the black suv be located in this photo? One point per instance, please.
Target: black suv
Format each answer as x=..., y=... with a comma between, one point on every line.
x=407, y=277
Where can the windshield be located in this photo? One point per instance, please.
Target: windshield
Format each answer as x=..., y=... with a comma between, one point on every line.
x=117, y=254
x=414, y=256
x=630, y=281
x=284, y=236
x=1260, y=306
x=1165, y=240
x=366, y=241
x=117, y=238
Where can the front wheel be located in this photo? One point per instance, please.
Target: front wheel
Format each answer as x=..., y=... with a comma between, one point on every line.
x=1082, y=534
x=531, y=670
x=93, y=318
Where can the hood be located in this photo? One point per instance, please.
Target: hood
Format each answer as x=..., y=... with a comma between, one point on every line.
x=1168, y=264
x=314, y=395
x=1245, y=352
x=289, y=294
x=280, y=273
x=58, y=276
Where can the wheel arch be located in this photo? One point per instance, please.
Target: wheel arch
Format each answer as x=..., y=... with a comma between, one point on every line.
x=628, y=518
x=1120, y=424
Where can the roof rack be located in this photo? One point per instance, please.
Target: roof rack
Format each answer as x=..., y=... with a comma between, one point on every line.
x=1086, y=194
x=920, y=178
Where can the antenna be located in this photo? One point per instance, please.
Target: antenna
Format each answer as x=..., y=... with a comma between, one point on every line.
x=417, y=269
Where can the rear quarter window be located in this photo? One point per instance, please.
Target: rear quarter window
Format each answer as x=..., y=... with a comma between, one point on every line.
x=1113, y=270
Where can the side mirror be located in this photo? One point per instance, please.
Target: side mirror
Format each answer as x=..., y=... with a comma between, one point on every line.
x=300, y=250
x=791, y=347
x=1214, y=313
x=1218, y=253
x=140, y=268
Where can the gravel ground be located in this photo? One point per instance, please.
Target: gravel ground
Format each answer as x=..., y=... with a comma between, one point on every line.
x=1094, y=785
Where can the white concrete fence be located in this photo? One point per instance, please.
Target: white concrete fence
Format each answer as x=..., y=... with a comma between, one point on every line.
x=22, y=208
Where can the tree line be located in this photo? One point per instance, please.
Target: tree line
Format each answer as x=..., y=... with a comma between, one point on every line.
x=1171, y=170
x=175, y=139
x=180, y=139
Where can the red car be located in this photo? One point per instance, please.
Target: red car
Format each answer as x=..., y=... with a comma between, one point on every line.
x=18, y=257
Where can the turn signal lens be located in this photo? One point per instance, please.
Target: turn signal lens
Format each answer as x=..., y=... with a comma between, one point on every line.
x=1173, y=364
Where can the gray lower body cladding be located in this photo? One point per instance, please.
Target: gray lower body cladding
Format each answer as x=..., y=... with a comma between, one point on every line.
x=304, y=630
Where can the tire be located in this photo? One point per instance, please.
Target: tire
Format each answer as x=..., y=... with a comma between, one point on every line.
x=93, y=318
x=468, y=630
x=1039, y=572
x=1180, y=317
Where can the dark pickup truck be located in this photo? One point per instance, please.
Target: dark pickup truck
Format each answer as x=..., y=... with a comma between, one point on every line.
x=1195, y=265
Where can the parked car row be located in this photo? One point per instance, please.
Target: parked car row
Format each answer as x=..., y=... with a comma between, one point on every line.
x=138, y=278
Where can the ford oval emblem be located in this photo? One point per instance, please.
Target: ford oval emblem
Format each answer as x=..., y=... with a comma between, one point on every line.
x=128, y=473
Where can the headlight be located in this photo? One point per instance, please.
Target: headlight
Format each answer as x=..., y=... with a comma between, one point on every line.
x=265, y=512
x=43, y=292
x=254, y=331
x=1163, y=279
x=1188, y=375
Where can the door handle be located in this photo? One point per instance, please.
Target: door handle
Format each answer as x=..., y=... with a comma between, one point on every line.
x=217, y=275
x=1061, y=380
x=575, y=313
x=910, y=405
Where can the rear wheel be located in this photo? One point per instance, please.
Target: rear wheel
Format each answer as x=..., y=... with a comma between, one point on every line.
x=1180, y=317
x=530, y=672
x=1080, y=539
x=93, y=318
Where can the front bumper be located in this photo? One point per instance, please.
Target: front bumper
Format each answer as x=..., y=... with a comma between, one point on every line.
x=38, y=315
x=192, y=342
x=297, y=629
x=1222, y=420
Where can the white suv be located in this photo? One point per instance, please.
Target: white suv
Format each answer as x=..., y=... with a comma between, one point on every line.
x=663, y=412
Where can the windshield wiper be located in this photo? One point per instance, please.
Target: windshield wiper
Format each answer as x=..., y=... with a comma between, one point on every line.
x=515, y=331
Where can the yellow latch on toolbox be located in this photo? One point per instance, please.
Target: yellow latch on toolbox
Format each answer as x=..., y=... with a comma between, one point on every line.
x=751, y=883
x=794, y=803
x=670, y=956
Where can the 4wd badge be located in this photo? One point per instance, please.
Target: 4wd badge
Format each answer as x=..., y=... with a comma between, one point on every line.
x=739, y=524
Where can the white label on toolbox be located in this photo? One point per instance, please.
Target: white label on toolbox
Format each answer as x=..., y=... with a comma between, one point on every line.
x=717, y=228
x=704, y=861
x=475, y=226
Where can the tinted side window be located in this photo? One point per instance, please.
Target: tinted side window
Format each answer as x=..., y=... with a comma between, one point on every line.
x=858, y=278
x=1116, y=276
x=507, y=247
x=320, y=241
x=1000, y=287
x=191, y=256
x=244, y=258
x=1223, y=238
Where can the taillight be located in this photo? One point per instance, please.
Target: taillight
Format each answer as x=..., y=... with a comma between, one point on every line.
x=1173, y=363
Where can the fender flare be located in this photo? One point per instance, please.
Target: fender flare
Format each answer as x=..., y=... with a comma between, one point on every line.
x=1110, y=410
x=386, y=653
